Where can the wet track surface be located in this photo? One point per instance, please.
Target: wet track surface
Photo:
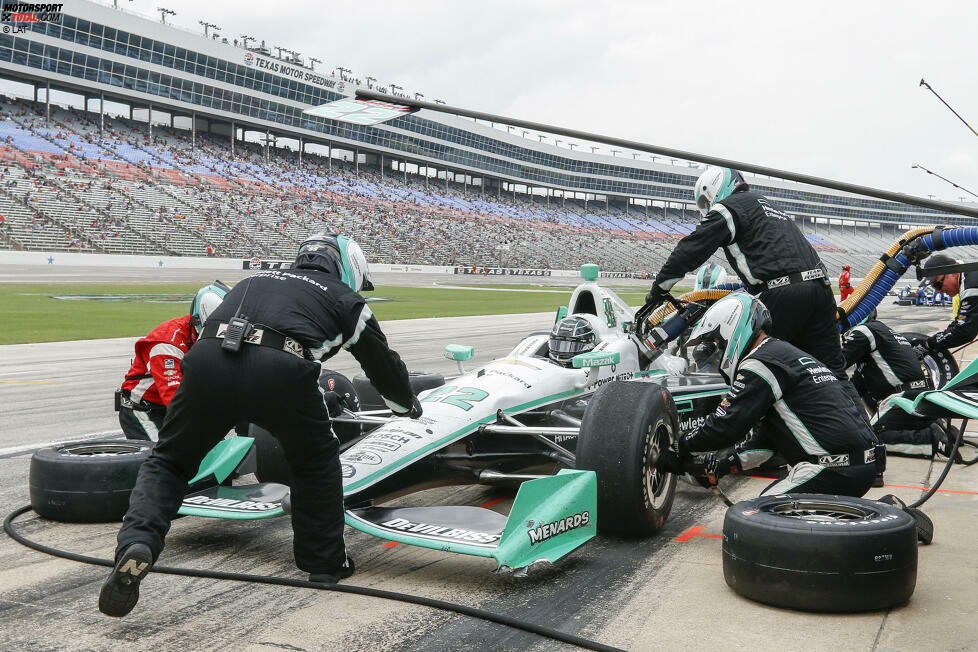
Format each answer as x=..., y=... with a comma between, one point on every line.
x=658, y=593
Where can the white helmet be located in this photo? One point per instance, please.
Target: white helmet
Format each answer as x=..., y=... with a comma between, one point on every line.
x=336, y=253
x=714, y=184
x=709, y=276
x=205, y=302
x=732, y=323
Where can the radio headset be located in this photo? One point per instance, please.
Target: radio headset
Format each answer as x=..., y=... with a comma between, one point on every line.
x=238, y=328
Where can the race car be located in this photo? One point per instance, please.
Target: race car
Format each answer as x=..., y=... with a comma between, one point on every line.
x=579, y=442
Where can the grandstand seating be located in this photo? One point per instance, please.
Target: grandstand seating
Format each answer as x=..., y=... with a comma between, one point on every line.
x=66, y=185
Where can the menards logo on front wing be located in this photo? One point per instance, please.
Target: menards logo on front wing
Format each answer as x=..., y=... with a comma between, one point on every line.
x=541, y=533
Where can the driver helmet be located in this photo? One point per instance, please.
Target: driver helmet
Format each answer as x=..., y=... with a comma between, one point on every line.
x=337, y=254
x=709, y=276
x=715, y=184
x=571, y=336
x=732, y=323
x=205, y=302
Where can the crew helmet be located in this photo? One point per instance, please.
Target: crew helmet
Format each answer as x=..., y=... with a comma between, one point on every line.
x=714, y=184
x=571, y=336
x=338, y=254
x=846, y=267
x=709, y=276
x=205, y=302
x=732, y=323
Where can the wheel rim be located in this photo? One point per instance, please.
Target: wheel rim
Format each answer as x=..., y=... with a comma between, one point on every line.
x=821, y=511
x=101, y=450
x=656, y=484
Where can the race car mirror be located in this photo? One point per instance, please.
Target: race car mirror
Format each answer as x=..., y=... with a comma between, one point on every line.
x=459, y=353
x=596, y=359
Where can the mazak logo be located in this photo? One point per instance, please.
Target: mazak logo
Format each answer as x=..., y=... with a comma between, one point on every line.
x=541, y=533
x=249, y=59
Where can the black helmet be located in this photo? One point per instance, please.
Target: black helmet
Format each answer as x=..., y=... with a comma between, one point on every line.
x=936, y=260
x=571, y=336
x=336, y=254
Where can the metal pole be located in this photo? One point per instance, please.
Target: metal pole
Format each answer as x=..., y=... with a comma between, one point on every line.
x=843, y=186
x=47, y=101
x=234, y=134
x=268, y=137
x=329, y=155
x=101, y=112
x=381, y=167
x=302, y=146
x=149, y=121
x=193, y=130
x=356, y=161
x=405, y=171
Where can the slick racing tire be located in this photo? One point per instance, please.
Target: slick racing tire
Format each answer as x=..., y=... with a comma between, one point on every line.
x=822, y=553
x=624, y=427
x=86, y=481
x=334, y=381
x=939, y=366
x=370, y=398
x=270, y=462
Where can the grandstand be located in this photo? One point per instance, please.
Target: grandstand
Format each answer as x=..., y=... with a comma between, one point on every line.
x=418, y=190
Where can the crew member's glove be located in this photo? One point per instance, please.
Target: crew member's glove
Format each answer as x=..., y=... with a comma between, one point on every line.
x=655, y=296
x=414, y=412
x=334, y=403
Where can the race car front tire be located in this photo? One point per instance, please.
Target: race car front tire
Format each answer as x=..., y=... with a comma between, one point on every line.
x=624, y=427
x=370, y=398
x=820, y=553
x=86, y=481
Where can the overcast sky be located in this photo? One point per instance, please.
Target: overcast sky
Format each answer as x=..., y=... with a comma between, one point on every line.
x=825, y=88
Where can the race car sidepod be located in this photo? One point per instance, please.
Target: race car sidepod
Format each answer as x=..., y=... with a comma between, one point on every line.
x=550, y=518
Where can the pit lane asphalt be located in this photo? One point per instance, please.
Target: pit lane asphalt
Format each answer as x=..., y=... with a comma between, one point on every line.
x=651, y=594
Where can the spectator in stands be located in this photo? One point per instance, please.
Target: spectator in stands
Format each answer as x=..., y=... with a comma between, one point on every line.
x=845, y=286
x=772, y=258
x=886, y=368
x=964, y=328
x=156, y=371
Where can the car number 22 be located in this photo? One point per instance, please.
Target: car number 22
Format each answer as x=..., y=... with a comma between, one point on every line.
x=462, y=397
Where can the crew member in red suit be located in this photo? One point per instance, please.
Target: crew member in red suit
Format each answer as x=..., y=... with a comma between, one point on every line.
x=845, y=287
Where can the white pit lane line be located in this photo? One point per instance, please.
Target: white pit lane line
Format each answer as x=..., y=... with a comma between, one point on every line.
x=14, y=451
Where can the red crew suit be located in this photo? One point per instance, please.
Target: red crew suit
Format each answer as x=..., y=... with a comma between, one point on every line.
x=154, y=377
x=845, y=288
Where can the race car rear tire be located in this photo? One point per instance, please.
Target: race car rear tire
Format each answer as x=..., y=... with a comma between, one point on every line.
x=939, y=366
x=86, y=481
x=624, y=426
x=370, y=398
x=820, y=553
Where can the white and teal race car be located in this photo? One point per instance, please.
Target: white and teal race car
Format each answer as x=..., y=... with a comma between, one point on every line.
x=578, y=442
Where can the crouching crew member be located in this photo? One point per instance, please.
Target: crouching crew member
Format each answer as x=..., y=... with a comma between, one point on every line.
x=886, y=367
x=258, y=360
x=786, y=401
x=156, y=370
x=963, y=285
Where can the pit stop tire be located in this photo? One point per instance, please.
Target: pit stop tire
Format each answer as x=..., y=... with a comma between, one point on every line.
x=86, y=481
x=624, y=426
x=939, y=366
x=370, y=398
x=820, y=553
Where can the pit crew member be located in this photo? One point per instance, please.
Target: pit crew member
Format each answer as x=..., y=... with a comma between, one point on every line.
x=772, y=258
x=886, y=367
x=267, y=375
x=964, y=285
x=781, y=400
x=155, y=373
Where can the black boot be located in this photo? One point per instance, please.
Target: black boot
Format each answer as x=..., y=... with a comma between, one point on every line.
x=343, y=572
x=121, y=591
